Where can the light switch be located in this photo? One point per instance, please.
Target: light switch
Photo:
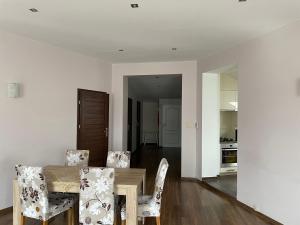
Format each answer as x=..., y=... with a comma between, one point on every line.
x=13, y=90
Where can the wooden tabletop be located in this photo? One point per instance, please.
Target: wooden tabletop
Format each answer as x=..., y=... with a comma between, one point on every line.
x=66, y=178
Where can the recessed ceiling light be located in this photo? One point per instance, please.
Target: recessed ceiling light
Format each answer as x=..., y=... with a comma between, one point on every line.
x=33, y=10
x=134, y=5
x=174, y=49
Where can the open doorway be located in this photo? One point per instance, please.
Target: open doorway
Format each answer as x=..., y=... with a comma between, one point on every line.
x=220, y=129
x=155, y=112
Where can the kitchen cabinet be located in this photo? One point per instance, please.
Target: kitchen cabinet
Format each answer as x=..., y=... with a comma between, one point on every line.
x=229, y=100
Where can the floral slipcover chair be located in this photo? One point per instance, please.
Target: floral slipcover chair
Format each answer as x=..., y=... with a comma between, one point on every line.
x=149, y=205
x=36, y=202
x=96, y=201
x=118, y=159
x=77, y=157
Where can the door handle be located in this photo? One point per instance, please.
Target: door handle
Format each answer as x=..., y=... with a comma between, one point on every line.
x=106, y=132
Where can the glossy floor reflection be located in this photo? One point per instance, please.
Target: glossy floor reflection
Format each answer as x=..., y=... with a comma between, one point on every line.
x=226, y=184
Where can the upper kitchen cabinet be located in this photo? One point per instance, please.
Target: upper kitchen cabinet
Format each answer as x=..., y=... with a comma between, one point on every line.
x=229, y=100
x=229, y=92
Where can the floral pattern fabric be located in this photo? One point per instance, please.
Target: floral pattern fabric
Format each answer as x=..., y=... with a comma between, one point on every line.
x=96, y=201
x=118, y=159
x=77, y=157
x=35, y=201
x=149, y=205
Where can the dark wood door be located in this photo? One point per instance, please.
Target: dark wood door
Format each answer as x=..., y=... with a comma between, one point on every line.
x=92, y=127
x=138, y=125
x=129, y=126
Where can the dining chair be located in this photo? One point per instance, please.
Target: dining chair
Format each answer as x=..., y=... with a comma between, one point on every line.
x=36, y=202
x=149, y=205
x=118, y=159
x=77, y=157
x=96, y=197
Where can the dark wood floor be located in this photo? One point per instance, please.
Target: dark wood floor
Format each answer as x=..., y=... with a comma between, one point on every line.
x=184, y=202
x=227, y=184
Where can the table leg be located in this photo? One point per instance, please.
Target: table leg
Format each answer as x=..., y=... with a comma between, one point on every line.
x=131, y=205
x=144, y=192
x=16, y=204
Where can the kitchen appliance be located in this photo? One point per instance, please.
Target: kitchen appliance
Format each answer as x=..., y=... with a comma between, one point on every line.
x=229, y=157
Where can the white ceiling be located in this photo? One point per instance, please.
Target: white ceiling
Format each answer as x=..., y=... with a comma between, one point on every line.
x=197, y=28
x=155, y=87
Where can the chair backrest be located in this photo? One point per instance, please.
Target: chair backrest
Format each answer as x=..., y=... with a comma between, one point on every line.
x=33, y=192
x=160, y=180
x=118, y=159
x=96, y=205
x=77, y=157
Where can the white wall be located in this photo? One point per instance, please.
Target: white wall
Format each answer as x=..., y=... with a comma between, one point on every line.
x=37, y=128
x=199, y=124
x=268, y=121
x=150, y=120
x=188, y=69
x=210, y=125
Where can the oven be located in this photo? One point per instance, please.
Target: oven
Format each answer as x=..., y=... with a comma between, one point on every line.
x=229, y=155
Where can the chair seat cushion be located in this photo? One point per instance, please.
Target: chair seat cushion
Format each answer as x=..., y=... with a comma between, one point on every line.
x=147, y=207
x=74, y=196
x=144, y=199
x=58, y=203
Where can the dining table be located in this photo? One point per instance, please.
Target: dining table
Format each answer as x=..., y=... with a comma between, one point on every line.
x=128, y=182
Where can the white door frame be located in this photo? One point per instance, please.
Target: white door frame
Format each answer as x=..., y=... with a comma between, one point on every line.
x=188, y=70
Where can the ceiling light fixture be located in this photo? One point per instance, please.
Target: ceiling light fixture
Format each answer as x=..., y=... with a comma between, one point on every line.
x=34, y=10
x=242, y=0
x=174, y=49
x=121, y=50
x=134, y=5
